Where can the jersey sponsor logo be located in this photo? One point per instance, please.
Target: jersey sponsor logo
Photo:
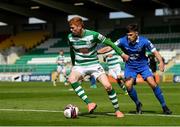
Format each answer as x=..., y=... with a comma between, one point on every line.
x=84, y=50
x=134, y=56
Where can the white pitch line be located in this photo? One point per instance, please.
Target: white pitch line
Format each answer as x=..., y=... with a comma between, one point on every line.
x=51, y=111
x=29, y=110
x=161, y=115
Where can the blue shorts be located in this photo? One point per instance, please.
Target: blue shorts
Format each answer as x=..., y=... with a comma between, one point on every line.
x=133, y=72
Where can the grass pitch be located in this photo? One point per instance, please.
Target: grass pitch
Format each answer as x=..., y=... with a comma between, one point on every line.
x=42, y=104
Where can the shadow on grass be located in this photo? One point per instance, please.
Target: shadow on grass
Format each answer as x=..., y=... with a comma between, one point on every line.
x=95, y=114
x=144, y=111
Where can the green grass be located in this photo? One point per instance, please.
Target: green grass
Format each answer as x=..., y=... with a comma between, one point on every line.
x=40, y=99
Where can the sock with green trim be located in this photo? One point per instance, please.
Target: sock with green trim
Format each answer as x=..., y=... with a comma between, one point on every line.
x=113, y=97
x=80, y=92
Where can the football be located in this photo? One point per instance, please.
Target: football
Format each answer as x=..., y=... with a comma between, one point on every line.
x=71, y=111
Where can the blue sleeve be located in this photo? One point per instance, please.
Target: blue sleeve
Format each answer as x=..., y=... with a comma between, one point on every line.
x=118, y=42
x=149, y=46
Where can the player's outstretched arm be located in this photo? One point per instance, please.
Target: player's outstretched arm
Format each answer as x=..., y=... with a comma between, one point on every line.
x=104, y=50
x=117, y=49
x=160, y=60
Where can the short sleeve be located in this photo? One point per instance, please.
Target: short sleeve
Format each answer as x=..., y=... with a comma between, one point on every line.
x=150, y=46
x=118, y=43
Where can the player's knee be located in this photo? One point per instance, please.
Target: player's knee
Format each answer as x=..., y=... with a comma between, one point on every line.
x=72, y=79
x=151, y=81
x=128, y=85
x=153, y=85
x=108, y=87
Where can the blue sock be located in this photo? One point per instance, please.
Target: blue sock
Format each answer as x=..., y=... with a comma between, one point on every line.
x=133, y=94
x=92, y=80
x=159, y=95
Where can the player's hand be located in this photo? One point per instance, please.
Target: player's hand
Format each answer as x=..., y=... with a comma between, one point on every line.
x=125, y=57
x=110, y=55
x=161, y=66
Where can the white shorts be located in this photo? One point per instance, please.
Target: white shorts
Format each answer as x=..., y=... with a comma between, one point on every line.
x=114, y=72
x=95, y=70
x=61, y=69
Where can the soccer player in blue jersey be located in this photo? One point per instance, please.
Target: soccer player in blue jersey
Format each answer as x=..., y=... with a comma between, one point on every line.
x=93, y=82
x=135, y=46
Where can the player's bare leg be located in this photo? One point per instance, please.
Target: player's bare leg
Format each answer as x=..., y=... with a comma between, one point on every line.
x=56, y=78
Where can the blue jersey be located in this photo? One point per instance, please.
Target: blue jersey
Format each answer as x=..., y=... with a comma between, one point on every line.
x=138, y=61
x=136, y=51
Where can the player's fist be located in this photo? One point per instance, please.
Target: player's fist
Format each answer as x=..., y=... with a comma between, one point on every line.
x=125, y=57
x=161, y=66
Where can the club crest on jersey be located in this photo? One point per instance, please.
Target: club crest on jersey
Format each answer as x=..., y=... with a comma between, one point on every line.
x=84, y=50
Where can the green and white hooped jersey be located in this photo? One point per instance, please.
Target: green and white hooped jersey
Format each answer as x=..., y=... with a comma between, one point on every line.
x=112, y=61
x=85, y=47
x=61, y=60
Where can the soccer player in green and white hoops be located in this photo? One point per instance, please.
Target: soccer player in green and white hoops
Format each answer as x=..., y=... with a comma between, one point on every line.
x=84, y=58
x=114, y=66
x=60, y=67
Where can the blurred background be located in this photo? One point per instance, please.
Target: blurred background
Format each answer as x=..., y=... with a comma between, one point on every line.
x=33, y=31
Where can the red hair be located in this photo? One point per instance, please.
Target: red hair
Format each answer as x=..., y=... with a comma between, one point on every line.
x=76, y=21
